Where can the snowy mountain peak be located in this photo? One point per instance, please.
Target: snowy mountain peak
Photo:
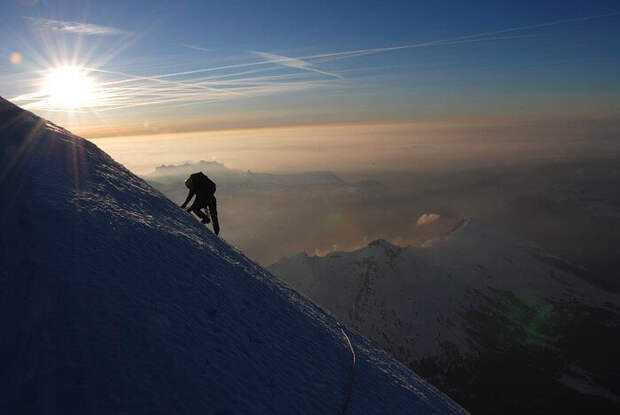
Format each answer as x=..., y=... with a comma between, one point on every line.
x=114, y=300
x=382, y=243
x=452, y=304
x=385, y=247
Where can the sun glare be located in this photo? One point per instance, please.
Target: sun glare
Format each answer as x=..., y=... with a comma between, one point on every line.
x=69, y=87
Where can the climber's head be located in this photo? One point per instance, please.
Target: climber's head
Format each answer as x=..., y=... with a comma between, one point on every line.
x=188, y=183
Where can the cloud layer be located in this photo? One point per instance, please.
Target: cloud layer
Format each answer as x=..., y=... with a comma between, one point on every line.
x=80, y=28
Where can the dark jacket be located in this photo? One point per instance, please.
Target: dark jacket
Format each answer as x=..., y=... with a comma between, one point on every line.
x=201, y=186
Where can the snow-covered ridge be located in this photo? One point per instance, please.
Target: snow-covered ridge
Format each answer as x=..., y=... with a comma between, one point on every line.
x=114, y=300
x=450, y=300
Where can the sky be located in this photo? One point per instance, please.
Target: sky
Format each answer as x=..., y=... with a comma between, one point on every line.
x=119, y=68
x=475, y=94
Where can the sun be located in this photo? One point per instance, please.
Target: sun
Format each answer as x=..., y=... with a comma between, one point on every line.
x=69, y=87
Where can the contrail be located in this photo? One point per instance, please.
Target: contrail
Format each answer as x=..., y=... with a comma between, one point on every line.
x=293, y=63
x=152, y=78
x=438, y=42
x=196, y=48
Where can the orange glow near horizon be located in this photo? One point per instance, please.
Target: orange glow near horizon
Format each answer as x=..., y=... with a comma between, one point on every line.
x=352, y=148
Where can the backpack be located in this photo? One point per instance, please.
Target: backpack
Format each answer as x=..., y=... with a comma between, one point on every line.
x=202, y=182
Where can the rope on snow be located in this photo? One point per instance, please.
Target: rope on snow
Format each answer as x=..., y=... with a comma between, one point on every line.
x=351, y=373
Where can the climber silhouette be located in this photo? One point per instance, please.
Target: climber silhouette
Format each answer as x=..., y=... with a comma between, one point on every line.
x=204, y=189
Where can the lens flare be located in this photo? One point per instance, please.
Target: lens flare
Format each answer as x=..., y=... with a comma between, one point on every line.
x=15, y=58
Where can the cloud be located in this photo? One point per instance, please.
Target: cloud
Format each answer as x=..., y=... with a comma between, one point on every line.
x=79, y=28
x=293, y=63
x=427, y=218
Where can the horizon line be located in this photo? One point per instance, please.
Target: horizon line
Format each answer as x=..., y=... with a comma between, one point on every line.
x=453, y=122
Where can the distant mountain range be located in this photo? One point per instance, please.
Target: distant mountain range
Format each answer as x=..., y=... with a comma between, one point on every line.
x=232, y=178
x=495, y=322
x=232, y=182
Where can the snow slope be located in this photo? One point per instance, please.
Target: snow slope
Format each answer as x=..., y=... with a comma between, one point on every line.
x=114, y=300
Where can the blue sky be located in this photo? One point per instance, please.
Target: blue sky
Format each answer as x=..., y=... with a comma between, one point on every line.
x=222, y=64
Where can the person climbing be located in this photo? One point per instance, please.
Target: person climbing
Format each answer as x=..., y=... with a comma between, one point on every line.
x=204, y=189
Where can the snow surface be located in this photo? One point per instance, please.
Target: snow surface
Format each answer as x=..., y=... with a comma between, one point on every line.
x=114, y=300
